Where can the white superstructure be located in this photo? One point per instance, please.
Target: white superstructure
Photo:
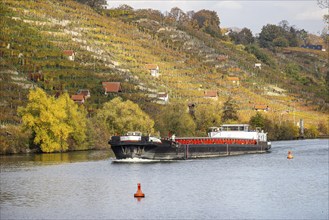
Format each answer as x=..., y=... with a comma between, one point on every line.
x=136, y=136
x=237, y=131
x=132, y=136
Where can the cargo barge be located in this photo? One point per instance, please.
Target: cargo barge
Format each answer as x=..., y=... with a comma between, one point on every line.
x=229, y=139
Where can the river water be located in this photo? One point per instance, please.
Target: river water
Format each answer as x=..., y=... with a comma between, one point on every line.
x=92, y=185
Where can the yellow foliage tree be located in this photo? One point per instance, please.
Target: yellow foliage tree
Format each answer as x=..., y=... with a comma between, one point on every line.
x=121, y=116
x=52, y=121
x=76, y=119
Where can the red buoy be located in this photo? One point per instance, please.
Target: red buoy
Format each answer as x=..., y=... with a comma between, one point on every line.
x=290, y=156
x=139, y=192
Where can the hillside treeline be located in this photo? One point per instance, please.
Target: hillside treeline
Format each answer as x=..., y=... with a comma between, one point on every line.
x=59, y=125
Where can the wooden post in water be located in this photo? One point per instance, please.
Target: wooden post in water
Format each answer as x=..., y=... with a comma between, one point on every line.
x=186, y=151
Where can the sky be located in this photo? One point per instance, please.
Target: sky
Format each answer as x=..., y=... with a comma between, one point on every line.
x=303, y=14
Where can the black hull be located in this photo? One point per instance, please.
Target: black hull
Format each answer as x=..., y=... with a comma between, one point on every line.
x=168, y=150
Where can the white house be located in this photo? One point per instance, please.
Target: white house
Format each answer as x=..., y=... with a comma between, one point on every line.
x=163, y=97
x=154, y=69
x=70, y=54
x=258, y=65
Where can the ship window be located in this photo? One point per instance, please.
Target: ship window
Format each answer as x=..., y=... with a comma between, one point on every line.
x=134, y=133
x=236, y=127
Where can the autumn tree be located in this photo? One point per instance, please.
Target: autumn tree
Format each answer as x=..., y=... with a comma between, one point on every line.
x=53, y=121
x=76, y=119
x=151, y=14
x=208, y=21
x=119, y=116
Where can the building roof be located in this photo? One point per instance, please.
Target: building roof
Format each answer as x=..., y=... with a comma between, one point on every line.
x=162, y=95
x=261, y=106
x=233, y=78
x=68, y=52
x=151, y=66
x=112, y=86
x=78, y=98
x=210, y=93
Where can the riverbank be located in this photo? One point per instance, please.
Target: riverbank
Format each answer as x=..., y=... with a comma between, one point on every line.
x=13, y=140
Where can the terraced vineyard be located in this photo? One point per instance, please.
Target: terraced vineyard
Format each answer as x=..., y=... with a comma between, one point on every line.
x=34, y=35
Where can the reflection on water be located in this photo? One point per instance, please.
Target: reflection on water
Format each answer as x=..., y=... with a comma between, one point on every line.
x=79, y=156
x=54, y=158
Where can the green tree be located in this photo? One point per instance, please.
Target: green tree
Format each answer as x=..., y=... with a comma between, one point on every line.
x=257, y=120
x=292, y=70
x=281, y=35
x=292, y=37
x=302, y=36
x=259, y=54
x=243, y=37
x=174, y=119
x=286, y=131
x=230, y=111
x=280, y=42
x=327, y=85
x=262, y=122
x=206, y=116
x=52, y=121
x=120, y=116
x=268, y=34
x=290, y=34
x=311, y=132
